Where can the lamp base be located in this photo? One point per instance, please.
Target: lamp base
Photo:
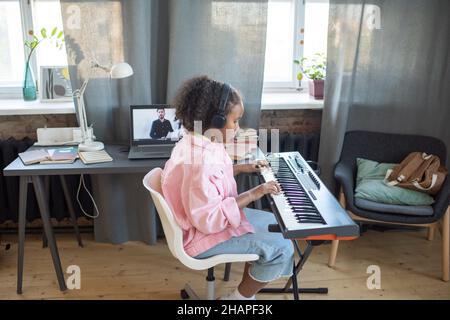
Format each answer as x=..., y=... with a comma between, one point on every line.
x=91, y=146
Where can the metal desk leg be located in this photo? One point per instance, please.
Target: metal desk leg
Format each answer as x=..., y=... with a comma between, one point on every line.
x=47, y=198
x=23, y=189
x=43, y=208
x=71, y=209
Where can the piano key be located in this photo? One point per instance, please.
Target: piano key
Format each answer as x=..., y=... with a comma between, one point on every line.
x=308, y=216
x=311, y=221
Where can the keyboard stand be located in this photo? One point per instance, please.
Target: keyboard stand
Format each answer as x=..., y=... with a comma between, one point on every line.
x=296, y=269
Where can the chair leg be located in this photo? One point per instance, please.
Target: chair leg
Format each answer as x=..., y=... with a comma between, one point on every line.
x=335, y=243
x=210, y=285
x=446, y=245
x=226, y=276
x=431, y=231
x=333, y=253
x=188, y=293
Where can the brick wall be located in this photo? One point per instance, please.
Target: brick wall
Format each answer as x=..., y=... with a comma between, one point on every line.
x=292, y=121
x=22, y=126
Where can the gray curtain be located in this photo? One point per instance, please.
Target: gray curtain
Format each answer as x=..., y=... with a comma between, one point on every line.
x=166, y=42
x=223, y=39
x=388, y=71
x=111, y=31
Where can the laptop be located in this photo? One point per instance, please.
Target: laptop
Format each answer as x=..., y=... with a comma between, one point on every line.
x=154, y=131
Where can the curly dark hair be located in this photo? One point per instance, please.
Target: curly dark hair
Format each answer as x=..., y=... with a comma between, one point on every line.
x=198, y=99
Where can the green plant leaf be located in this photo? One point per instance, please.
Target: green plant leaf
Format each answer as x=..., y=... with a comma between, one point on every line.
x=314, y=67
x=296, y=62
x=44, y=32
x=60, y=34
x=55, y=29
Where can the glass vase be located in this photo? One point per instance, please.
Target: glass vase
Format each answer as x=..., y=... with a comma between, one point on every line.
x=29, y=84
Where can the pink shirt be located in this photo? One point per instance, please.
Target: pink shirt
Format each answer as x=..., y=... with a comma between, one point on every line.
x=199, y=186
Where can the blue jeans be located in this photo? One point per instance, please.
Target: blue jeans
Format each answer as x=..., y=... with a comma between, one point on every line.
x=276, y=254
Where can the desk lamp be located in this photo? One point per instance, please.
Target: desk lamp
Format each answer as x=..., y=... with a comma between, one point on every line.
x=117, y=71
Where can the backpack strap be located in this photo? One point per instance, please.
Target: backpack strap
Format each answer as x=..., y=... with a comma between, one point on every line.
x=433, y=183
x=390, y=183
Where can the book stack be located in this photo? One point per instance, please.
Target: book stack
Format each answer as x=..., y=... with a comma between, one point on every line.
x=89, y=157
x=244, y=144
x=49, y=156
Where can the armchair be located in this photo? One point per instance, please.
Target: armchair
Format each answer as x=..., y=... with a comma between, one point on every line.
x=392, y=148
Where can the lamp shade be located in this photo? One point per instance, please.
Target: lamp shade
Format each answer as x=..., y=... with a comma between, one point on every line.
x=121, y=70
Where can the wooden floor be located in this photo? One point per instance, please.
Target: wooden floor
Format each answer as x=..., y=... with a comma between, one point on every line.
x=410, y=269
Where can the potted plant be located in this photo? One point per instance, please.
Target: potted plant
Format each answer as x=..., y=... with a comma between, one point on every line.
x=29, y=83
x=315, y=70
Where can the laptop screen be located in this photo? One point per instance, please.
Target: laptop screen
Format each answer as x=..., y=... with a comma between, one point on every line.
x=154, y=124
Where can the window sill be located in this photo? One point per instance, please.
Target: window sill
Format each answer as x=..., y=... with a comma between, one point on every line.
x=289, y=101
x=10, y=107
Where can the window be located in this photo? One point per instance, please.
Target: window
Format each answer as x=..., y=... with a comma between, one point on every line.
x=295, y=29
x=11, y=42
x=17, y=17
x=47, y=14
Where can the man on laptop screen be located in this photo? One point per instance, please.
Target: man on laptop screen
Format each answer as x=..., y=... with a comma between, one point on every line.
x=154, y=131
x=161, y=126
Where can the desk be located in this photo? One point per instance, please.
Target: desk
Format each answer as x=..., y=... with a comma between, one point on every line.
x=35, y=174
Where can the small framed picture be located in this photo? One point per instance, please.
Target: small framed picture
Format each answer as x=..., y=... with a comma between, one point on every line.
x=55, y=84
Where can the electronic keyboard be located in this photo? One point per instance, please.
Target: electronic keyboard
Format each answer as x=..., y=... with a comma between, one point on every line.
x=305, y=209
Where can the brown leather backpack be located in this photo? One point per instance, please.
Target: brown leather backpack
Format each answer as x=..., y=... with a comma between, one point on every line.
x=418, y=171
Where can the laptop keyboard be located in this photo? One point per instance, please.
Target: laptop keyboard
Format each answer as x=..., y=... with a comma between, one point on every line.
x=152, y=148
x=145, y=149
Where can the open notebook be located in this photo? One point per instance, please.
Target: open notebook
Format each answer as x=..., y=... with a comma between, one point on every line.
x=49, y=156
x=34, y=156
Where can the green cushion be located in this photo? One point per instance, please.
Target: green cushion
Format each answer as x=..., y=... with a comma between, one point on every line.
x=370, y=185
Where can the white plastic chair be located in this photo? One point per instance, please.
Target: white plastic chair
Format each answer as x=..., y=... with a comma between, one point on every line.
x=174, y=237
